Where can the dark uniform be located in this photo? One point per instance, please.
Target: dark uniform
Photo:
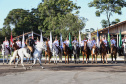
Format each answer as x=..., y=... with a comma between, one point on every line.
x=31, y=43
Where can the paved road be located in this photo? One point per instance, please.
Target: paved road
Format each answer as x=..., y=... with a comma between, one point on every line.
x=64, y=74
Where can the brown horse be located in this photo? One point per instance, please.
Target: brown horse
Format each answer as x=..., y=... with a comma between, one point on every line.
x=85, y=51
x=67, y=52
x=113, y=52
x=103, y=50
x=94, y=52
x=15, y=47
x=48, y=52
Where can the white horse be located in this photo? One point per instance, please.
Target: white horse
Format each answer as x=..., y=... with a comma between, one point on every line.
x=23, y=52
x=5, y=52
x=56, y=53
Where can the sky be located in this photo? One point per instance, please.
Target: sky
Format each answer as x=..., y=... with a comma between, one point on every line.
x=85, y=11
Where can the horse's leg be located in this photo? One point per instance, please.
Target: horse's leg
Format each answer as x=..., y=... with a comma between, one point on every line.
x=22, y=63
x=7, y=59
x=112, y=58
x=74, y=58
x=86, y=59
x=33, y=63
x=14, y=60
x=39, y=59
x=3, y=59
x=92, y=59
x=103, y=58
x=115, y=58
x=65, y=58
x=83, y=58
x=106, y=59
x=49, y=58
x=17, y=62
x=45, y=57
x=96, y=58
x=56, y=59
x=30, y=61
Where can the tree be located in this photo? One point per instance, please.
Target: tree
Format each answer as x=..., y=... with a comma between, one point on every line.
x=105, y=22
x=109, y=7
x=52, y=13
x=19, y=20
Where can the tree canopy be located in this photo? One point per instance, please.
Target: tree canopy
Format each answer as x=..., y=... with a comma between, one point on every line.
x=109, y=7
x=51, y=15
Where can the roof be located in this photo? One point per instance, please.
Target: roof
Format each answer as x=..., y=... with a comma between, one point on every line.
x=110, y=27
x=26, y=34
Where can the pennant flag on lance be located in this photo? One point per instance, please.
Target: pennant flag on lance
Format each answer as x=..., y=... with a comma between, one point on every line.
x=120, y=40
x=32, y=35
x=70, y=45
x=11, y=40
x=79, y=39
x=98, y=44
x=89, y=40
x=109, y=38
x=61, y=42
x=41, y=38
x=23, y=41
x=51, y=40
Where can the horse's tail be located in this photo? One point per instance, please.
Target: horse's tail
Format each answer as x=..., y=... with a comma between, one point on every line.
x=14, y=55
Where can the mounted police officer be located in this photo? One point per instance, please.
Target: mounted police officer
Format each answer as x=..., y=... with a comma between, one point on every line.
x=93, y=42
x=67, y=41
x=18, y=42
x=30, y=44
x=56, y=42
x=6, y=42
x=75, y=41
x=113, y=42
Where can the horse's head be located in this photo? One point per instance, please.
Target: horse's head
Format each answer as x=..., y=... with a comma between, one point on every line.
x=41, y=45
x=64, y=46
x=85, y=44
x=46, y=43
x=94, y=46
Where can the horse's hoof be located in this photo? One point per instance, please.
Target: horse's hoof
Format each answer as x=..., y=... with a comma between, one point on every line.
x=24, y=68
x=7, y=63
x=15, y=66
x=115, y=62
x=30, y=67
x=112, y=62
x=43, y=68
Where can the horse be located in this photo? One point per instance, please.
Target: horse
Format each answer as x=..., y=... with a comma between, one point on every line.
x=67, y=52
x=48, y=52
x=103, y=51
x=113, y=52
x=76, y=52
x=85, y=51
x=5, y=52
x=94, y=52
x=15, y=47
x=56, y=52
x=23, y=52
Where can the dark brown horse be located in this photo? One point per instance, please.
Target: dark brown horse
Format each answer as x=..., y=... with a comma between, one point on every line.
x=48, y=52
x=94, y=53
x=113, y=52
x=15, y=47
x=85, y=51
x=103, y=51
x=67, y=52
